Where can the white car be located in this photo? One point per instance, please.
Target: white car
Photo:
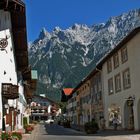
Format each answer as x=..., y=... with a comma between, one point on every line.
x=49, y=121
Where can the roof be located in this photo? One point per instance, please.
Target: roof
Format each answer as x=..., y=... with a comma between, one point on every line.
x=67, y=91
x=118, y=46
x=44, y=98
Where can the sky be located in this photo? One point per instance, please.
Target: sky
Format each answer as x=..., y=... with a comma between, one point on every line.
x=64, y=13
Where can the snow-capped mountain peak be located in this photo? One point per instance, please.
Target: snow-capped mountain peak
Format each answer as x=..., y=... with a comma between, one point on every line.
x=64, y=57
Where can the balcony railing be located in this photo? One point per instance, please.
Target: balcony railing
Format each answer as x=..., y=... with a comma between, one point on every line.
x=10, y=91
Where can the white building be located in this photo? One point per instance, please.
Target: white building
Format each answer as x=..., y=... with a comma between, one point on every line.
x=43, y=108
x=121, y=82
x=16, y=84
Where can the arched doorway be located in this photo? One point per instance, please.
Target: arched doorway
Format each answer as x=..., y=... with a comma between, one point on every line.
x=128, y=114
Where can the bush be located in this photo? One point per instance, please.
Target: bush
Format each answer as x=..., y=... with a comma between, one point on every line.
x=91, y=127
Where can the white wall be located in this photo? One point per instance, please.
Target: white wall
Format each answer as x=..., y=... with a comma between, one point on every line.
x=7, y=61
x=119, y=98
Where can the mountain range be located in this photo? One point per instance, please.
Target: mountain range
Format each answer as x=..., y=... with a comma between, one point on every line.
x=64, y=57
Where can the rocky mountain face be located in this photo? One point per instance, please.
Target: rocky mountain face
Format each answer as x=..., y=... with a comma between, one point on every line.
x=64, y=57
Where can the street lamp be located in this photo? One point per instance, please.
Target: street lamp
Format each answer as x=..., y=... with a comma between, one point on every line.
x=130, y=103
x=130, y=100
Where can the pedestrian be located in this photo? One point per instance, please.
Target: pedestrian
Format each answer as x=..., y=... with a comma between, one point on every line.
x=115, y=122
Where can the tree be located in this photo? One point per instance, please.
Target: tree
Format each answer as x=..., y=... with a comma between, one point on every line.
x=62, y=105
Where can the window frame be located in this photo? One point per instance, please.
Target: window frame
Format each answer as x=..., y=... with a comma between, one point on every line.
x=116, y=60
x=109, y=65
x=124, y=51
x=123, y=74
x=116, y=84
x=109, y=89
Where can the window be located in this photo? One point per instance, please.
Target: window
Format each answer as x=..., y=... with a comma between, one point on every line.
x=109, y=66
x=124, y=55
x=95, y=88
x=85, y=87
x=116, y=60
x=117, y=83
x=126, y=79
x=110, y=86
x=99, y=96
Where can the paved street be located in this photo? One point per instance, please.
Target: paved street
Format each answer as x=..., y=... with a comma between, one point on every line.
x=56, y=132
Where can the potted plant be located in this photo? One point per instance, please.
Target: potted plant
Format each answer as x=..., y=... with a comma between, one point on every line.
x=16, y=135
x=5, y=136
x=28, y=128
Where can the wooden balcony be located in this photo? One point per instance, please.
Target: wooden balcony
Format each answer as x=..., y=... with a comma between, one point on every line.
x=11, y=4
x=10, y=91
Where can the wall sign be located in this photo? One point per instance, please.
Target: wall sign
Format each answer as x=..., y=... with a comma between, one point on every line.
x=3, y=43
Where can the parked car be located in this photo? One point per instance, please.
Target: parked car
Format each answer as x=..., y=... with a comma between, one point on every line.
x=49, y=121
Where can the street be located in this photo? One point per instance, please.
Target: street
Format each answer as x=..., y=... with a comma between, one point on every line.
x=56, y=132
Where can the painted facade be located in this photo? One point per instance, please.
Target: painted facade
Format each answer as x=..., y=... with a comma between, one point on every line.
x=97, y=109
x=83, y=103
x=71, y=109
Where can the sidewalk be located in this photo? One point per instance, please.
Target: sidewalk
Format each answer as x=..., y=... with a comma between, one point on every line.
x=118, y=135
x=115, y=135
x=131, y=137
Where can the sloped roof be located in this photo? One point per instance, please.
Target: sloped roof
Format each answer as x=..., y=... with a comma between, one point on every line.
x=104, y=59
x=118, y=46
x=67, y=91
x=44, y=98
